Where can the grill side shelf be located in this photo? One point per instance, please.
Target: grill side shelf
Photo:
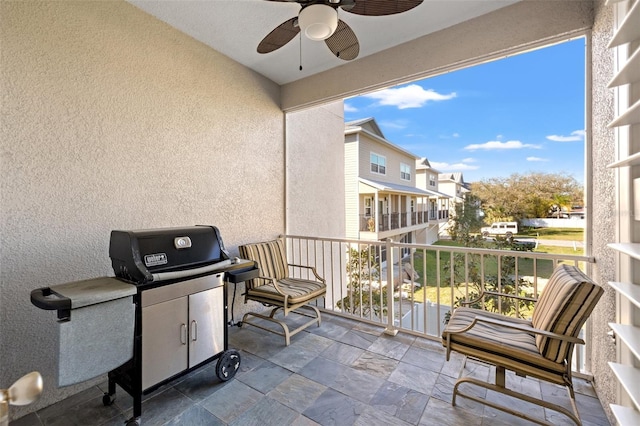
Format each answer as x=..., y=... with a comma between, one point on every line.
x=77, y=294
x=45, y=298
x=242, y=275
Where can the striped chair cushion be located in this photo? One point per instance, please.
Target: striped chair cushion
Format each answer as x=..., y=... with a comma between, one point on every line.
x=271, y=259
x=299, y=291
x=500, y=345
x=563, y=307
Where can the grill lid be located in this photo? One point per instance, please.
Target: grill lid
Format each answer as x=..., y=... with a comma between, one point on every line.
x=137, y=255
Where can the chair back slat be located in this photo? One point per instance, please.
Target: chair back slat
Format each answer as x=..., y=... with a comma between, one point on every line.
x=270, y=256
x=563, y=307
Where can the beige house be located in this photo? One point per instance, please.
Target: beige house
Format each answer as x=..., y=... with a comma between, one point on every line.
x=453, y=185
x=114, y=119
x=439, y=204
x=382, y=198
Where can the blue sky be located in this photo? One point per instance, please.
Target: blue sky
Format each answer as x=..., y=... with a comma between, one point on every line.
x=514, y=115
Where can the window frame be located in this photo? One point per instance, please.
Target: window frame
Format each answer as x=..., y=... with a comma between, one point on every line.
x=368, y=207
x=377, y=163
x=403, y=173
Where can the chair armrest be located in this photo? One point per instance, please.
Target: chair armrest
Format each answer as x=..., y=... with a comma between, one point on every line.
x=313, y=269
x=275, y=284
x=520, y=327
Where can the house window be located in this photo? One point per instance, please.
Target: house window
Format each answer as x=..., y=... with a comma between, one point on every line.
x=432, y=179
x=405, y=171
x=378, y=164
x=368, y=207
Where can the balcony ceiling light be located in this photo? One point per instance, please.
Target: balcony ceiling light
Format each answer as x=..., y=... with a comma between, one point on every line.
x=318, y=21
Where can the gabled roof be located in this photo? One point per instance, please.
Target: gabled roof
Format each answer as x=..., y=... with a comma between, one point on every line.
x=394, y=187
x=370, y=128
x=369, y=124
x=454, y=177
x=423, y=164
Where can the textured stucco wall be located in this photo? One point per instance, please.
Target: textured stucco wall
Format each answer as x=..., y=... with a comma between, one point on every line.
x=602, y=208
x=111, y=119
x=318, y=179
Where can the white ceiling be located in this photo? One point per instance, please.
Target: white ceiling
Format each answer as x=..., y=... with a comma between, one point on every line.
x=235, y=27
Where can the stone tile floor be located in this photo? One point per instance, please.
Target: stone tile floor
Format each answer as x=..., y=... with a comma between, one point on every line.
x=342, y=373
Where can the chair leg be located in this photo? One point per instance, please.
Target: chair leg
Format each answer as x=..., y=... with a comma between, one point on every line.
x=572, y=397
x=501, y=388
x=286, y=333
x=274, y=310
x=285, y=329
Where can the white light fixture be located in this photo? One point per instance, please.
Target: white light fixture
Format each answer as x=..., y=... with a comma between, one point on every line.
x=318, y=21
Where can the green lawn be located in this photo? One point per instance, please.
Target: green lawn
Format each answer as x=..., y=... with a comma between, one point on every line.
x=569, y=234
x=543, y=267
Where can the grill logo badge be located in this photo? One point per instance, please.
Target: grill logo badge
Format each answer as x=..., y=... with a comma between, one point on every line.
x=155, y=259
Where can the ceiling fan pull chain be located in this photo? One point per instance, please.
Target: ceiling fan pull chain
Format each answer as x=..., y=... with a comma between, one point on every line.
x=300, y=50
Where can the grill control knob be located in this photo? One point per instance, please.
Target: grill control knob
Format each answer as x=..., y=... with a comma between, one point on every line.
x=182, y=242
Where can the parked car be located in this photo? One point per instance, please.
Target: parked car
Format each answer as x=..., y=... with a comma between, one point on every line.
x=508, y=229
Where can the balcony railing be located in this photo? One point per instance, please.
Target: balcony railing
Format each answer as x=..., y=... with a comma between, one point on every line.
x=428, y=281
x=391, y=221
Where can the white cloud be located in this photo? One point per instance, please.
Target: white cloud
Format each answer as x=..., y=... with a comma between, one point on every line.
x=349, y=108
x=497, y=145
x=576, y=136
x=452, y=167
x=536, y=159
x=411, y=96
x=469, y=160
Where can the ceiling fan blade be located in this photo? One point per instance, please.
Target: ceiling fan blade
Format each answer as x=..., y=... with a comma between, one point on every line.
x=281, y=35
x=382, y=7
x=344, y=43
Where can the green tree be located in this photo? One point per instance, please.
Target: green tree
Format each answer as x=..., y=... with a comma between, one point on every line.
x=363, y=297
x=522, y=196
x=467, y=269
x=465, y=220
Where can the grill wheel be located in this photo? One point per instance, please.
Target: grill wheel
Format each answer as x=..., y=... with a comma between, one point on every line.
x=228, y=364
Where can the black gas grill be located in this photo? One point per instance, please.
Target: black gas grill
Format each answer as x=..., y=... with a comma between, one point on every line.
x=160, y=255
x=181, y=305
x=178, y=319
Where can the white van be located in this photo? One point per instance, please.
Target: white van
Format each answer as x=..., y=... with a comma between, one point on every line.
x=508, y=229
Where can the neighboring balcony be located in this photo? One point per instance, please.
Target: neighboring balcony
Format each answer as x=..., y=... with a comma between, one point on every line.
x=400, y=221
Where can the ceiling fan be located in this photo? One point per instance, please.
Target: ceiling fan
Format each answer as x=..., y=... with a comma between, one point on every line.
x=318, y=20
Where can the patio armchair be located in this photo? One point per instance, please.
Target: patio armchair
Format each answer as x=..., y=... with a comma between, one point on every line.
x=540, y=348
x=276, y=288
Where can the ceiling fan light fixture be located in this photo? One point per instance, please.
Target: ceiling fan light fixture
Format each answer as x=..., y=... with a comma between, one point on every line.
x=318, y=21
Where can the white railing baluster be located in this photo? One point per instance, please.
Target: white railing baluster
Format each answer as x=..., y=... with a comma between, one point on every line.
x=391, y=329
x=335, y=264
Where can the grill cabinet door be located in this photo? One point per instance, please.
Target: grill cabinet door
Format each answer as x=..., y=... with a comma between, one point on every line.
x=206, y=325
x=164, y=340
